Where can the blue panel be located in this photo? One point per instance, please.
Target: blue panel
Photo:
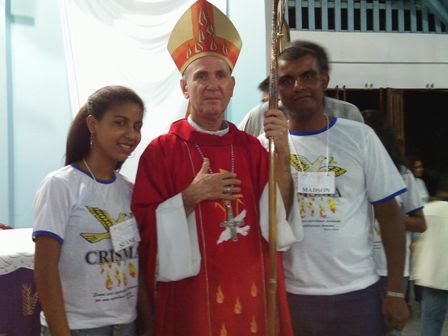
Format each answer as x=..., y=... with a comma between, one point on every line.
x=363, y=16
x=311, y=18
x=413, y=17
x=324, y=14
x=400, y=7
x=425, y=19
x=388, y=16
x=350, y=16
x=376, y=16
x=299, y=24
x=337, y=15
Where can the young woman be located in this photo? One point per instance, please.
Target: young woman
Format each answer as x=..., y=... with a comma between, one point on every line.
x=86, y=261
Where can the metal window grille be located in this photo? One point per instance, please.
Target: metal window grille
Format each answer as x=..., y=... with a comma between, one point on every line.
x=365, y=16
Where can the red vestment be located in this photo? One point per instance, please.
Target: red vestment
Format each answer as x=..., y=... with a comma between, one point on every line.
x=229, y=295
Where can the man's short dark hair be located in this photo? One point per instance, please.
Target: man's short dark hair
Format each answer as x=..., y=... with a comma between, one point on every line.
x=300, y=48
x=264, y=85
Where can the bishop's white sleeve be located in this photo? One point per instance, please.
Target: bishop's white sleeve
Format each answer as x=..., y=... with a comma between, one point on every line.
x=177, y=241
x=289, y=229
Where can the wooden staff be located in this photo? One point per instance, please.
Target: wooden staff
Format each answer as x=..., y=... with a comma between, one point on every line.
x=277, y=14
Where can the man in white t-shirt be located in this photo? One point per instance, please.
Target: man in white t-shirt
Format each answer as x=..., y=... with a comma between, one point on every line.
x=430, y=269
x=340, y=170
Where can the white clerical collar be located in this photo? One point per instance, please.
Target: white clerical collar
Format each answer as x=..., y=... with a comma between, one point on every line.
x=201, y=129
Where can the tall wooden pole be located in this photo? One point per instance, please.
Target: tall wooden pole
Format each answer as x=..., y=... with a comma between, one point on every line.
x=273, y=105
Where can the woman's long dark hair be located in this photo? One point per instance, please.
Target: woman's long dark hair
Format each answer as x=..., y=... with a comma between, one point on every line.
x=102, y=100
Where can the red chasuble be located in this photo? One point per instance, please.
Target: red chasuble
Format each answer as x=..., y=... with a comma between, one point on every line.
x=229, y=295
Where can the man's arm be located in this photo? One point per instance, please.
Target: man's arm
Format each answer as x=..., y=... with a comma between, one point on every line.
x=276, y=127
x=415, y=222
x=393, y=236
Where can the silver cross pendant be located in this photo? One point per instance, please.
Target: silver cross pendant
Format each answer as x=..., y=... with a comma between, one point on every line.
x=231, y=223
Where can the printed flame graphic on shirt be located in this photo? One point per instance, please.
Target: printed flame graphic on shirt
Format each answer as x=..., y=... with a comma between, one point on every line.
x=314, y=205
x=114, y=276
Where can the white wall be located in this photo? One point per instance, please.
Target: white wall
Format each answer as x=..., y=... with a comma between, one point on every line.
x=384, y=60
x=38, y=104
x=4, y=161
x=248, y=17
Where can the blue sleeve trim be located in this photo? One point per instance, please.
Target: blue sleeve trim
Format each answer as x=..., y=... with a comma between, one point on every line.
x=389, y=197
x=415, y=210
x=47, y=234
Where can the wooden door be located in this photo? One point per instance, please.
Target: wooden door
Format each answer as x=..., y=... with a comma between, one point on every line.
x=394, y=109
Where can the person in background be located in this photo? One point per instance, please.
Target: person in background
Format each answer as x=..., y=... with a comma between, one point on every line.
x=86, y=260
x=264, y=88
x=410, y=203
x=200, y=198
x=430, y=267
x=340, y=169
x=416, y=166
x=253, y=121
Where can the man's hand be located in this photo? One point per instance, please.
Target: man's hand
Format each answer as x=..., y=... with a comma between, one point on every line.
x=276, y=126
x=396, y=312
x=210, y=186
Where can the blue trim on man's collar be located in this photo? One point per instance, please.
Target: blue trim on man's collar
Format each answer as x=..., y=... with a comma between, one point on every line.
x=305, y=133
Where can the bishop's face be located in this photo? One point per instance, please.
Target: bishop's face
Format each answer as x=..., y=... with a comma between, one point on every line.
x=209, y=84
x=301, y=86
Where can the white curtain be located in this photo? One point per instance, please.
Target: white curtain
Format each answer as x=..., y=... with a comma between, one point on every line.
x=124, y=42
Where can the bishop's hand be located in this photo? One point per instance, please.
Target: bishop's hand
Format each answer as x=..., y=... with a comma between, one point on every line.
x=210, y=186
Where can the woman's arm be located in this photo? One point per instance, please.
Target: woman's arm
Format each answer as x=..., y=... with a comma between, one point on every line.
x=48, y=282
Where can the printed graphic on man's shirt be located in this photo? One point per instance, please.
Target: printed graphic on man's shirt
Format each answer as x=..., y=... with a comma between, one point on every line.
x=316, y=208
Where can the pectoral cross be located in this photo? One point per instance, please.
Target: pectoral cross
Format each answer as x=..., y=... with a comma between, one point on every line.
x=231, y=223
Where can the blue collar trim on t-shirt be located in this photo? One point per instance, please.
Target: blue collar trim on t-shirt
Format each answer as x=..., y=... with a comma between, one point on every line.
x=111, y=180
x=305, y=133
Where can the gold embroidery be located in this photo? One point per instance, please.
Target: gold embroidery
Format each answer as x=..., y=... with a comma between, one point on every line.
x=253, y=326
x=237, y=309
x=29, y=300
x=254, y=290
x=223, y=331
x=219, y=295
